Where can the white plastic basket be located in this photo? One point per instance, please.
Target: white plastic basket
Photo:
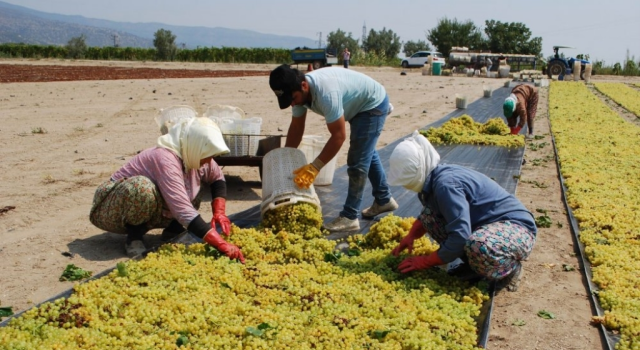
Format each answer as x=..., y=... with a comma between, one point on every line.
x=487, y=91
x=278, y=188
x=224, y=111
x=241, y=135
x=461, y=101
x=172, y=115
x=311, y=146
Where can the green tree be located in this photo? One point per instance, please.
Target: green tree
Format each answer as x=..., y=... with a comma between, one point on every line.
x=338, y=40
x=384, y=43
x=450, y=32
x=165, y=44
x=514, y=38
x=77, y=47
x=411, y=47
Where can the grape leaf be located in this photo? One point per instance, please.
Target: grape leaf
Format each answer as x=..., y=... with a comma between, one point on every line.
x=6, y=311
x=182, y=340
x=519, y=322
x=122, y=269
x=546, y=315
x=74, y=273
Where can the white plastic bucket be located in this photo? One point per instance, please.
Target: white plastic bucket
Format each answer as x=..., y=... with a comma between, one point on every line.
x=503, y=71
x=278, y=188
x=487, y=91
x=577, y=67
x=587, y=73
x=167, y=117
x=311, y=146
x=461, y=101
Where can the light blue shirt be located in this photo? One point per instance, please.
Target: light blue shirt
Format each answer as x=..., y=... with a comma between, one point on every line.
x=336, y=92
x=467, y=199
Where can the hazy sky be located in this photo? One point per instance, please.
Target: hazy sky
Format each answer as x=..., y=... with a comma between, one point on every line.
x=603, y=29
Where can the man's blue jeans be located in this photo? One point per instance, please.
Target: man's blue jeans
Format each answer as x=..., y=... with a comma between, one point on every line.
x=363, y=160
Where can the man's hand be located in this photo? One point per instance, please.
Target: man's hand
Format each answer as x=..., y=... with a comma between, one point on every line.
x=305, y=175
x=417, y=231
x=219, y=215
x=233, y=252
x=420, y=262
x=515, y=130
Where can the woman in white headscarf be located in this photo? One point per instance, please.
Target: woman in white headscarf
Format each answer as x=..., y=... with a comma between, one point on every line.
x=467, y=213
x=160, y=187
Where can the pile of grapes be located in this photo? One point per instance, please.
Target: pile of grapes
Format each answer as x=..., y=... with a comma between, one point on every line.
x=464, y=130
x=294, y=292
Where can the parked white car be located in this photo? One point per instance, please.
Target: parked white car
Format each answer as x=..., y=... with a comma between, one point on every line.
x=419, y=59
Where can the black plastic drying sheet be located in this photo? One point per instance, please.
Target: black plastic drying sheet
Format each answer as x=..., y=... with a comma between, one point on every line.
x=499, y=163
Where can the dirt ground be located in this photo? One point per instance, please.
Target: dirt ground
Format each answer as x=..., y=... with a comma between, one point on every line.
x=60, y=139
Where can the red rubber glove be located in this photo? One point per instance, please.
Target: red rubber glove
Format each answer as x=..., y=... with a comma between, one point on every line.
x=233, y=252
x=305, y=175
x=417, y=231
x=515, y=130
x=420, y=262
x=219, y=216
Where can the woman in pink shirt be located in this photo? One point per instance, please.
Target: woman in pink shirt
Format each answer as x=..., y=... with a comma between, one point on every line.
x=159, y=188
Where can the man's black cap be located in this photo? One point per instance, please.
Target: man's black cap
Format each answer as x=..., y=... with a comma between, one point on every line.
x=283, y=81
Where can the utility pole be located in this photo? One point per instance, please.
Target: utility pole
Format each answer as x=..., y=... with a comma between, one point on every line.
x=364, y=34
x=319, y=39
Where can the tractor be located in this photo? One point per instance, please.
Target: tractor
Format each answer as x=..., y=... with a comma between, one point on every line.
x=560, y=66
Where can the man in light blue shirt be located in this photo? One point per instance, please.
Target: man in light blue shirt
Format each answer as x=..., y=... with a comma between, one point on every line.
x=341, y=96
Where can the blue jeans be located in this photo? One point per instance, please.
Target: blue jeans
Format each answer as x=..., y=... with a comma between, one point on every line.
x=363, y=160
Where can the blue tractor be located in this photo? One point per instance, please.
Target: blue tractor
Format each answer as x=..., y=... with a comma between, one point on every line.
x=560, y=66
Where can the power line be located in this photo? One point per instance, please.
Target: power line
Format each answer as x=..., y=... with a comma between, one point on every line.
x=617, y=23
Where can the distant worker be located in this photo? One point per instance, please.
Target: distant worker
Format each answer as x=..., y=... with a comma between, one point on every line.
x=471, y=216
x=160, y=188
x=346, y=57
x=502, y=60
x=522, y=103
x=341, y=96
x=488, y=63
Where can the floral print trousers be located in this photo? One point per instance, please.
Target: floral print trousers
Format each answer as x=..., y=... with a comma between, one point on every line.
x=134, y=201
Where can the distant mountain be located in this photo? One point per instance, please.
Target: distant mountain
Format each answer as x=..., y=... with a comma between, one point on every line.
x=23, y=25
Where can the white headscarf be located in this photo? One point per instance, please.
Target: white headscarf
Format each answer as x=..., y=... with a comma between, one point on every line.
x=194, y=139
x=412, y=161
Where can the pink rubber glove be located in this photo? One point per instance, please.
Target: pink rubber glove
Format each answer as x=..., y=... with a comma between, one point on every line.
x=420, y=262
x=417, y=231
x=233, y=252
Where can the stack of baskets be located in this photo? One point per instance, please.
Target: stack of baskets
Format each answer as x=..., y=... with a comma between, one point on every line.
x=167, y=117
x=241, y=134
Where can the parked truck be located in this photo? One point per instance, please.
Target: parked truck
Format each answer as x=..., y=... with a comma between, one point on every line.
x=471, y=59
x=318, y=58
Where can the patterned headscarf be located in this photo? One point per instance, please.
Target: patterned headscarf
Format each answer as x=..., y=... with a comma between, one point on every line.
x=194, y=139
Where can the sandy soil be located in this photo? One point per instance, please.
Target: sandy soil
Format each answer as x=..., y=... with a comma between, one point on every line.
x=91, y=127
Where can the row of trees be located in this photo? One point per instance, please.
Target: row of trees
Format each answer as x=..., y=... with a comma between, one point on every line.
x=514, y=38
x=379, y=48
x=382, y=47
